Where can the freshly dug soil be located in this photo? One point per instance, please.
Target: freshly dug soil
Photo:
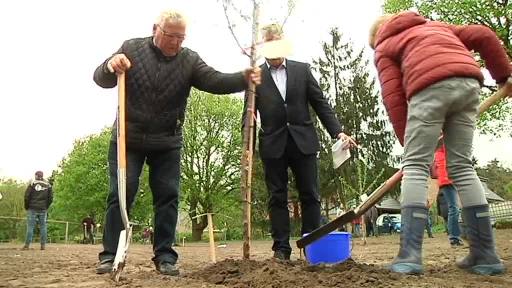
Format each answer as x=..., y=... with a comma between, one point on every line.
x=73, y=265
x=271, y=273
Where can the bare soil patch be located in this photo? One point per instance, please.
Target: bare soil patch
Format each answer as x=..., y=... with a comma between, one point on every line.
x=73, y=266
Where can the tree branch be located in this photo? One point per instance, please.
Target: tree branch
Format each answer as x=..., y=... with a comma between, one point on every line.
x=291, y=6
x=230, y=26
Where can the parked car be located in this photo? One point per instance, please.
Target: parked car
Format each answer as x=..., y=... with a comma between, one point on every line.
x=389, y=223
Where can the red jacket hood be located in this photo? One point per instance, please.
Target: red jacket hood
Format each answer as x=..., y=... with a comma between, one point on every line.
x=397, y=24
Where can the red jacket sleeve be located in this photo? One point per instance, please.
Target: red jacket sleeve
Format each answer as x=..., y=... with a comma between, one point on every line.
x=484, y=41
x=393, y=94
x=440, y=162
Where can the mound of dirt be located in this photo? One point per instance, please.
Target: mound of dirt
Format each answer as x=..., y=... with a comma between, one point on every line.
x=273, y=273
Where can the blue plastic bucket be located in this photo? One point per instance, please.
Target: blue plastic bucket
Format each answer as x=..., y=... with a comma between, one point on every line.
x=333, y=248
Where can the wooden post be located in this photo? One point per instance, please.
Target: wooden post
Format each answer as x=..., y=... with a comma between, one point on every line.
x=212, y=237
x=432, y=191
x=66, y=236
x=363, y=229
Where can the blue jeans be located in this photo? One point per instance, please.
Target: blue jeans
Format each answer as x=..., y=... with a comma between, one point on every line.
x=32, y=217
x=357, y=229
x=450, y=195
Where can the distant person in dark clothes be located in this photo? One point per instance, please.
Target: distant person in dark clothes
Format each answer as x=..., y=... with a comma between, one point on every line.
x=38, y=198
x=88, y=225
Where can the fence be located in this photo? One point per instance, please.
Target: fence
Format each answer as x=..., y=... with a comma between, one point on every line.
x=501, y=211
x=67, y=227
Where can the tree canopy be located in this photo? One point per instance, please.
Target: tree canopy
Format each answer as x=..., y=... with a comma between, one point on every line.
x=346, y=82
x=211, y=158
x=498, y=178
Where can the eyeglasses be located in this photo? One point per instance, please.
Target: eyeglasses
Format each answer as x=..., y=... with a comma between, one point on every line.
x=178, y=36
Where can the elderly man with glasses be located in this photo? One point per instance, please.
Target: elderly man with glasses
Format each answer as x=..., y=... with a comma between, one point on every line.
x=159, y=76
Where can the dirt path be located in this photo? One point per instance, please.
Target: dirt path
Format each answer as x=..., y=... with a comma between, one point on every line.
x=73, y=266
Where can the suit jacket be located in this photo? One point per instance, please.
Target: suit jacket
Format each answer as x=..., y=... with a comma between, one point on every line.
x=291, y=116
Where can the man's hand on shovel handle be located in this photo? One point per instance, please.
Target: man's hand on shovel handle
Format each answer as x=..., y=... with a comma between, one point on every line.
x=119, y=63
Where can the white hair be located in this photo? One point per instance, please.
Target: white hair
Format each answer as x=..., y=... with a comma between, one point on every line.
x=171, y=16
x=271, y=30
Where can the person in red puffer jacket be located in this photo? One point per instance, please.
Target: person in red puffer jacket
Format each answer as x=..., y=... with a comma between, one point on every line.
x=431, y=83
x=448, y=191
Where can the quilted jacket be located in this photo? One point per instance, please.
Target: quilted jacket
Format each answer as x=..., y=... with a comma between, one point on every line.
x=412, y=53
x=157, y=88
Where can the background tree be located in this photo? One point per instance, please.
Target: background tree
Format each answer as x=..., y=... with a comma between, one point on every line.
x=509, y=189
x=498, y=178
x=12, y=205
x=346, y=82
x=496, y=15
x=260, y=198
x=211, y=158
x=365, y=182
x=210, y=170
x=81, y=185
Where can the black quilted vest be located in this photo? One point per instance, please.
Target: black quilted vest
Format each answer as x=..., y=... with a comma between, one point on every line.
x=157, y=88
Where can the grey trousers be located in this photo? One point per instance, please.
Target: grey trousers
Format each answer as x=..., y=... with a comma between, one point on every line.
x=451, y=107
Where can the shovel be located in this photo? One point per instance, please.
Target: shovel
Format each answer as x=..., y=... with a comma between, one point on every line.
x=126, y=234
x=379, y=193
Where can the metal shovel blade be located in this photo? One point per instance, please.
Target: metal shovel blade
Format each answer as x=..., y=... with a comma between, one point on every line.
x=121, y=253
x=350, y=215
x=126, y=234
x=320, y=232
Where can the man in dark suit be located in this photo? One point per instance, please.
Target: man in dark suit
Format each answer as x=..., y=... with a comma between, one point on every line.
x=287, y=138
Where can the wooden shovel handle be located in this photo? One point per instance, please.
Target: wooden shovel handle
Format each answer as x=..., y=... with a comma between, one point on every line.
x=491, y=100
x=121, y=121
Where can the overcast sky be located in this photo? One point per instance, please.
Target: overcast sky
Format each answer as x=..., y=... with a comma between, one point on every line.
x=51, y=48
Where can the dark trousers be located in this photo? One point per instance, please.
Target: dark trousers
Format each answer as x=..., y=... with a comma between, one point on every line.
x=164, y=181
x=304, y=168
x=88, y=236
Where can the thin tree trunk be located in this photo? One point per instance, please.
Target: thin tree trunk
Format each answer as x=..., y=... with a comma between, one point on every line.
x=296, y=210
x=197, y=230
x=327, y=207
x=198, y=222
x=248, y=142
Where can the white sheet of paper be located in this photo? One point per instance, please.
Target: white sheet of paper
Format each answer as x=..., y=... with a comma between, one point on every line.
x=340, y=152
